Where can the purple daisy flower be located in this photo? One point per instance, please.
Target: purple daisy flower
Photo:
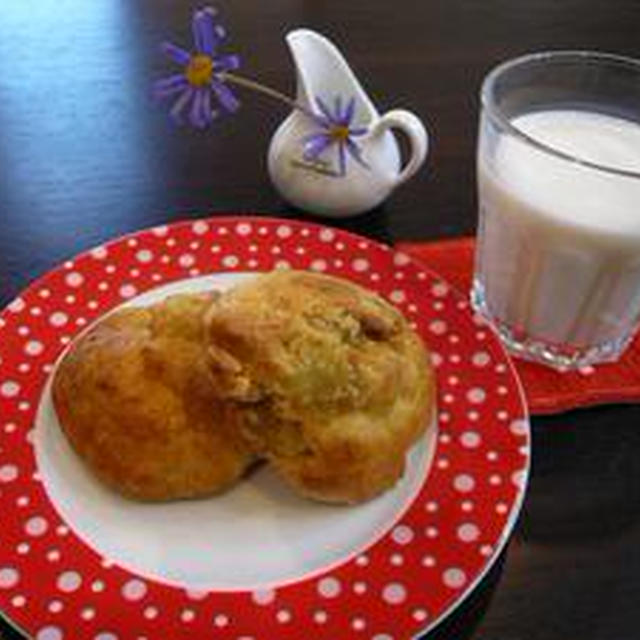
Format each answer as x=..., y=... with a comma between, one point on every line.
x=335, y=130
x=203, y=73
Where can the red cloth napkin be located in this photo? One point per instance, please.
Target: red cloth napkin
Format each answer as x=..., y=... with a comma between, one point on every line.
x=547, y=390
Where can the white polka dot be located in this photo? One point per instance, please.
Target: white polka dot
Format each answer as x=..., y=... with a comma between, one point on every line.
x=468, y=532
x=49, y=633
x=74, y=279
x=476, y=395
x=481, y=359
x=127, y=291
x=436, y=359
x=320, y=617
x=396, y=559
x=438, y=327
x=106, y=635
x=230, y=261
x=263, y=596
x=358, y=624
x=360, y=265
x=495, y=479
x=454, y=578
x=362, y=561
x=33, y=348
x=428, y=561
x=69, y=581
x=382, y=636
x=16, y=305
x=329, y=587
x=502, y=508
x=466, y=505
x=394, y=593
x=8, y=472
x=283, y=231
x=9, y=577
x=473, y=415
x=220, y=620
x=58, y=319
x=402, y=534
x=431, y=532
x=97, y=586
x=340, y=246
x=134, y=590
x=23, y=331
x=470, y=439
x=243, y=229
x=319, y=265
x=519, y=427
x=9, y=389
x=486, y=550
x=144, y=256
x=186, y=260
x=327, y=235
x=55, y=606
x=150, y=613
x=88, y=613
x=187, y=615
x=36, y=526
x=282, y=265
x=53, y=555
x=23, y=548
x=431, y=506
x=464, y=483
x=440, y=289
x=359, y=587
x=99, y=253
x=518, y=478
x=22, y=501
x=420, y=615
x=400, y=259
x=397, y=296
x=283, y=616
x=200, y=227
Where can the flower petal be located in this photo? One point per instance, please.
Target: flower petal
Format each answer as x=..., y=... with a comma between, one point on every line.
x=227, y=62
x=225, y=96
x=180, y=104
x=168, y=86
x=356, y=153
x=207, y=114
x=199, y=23
x=342, y=159
x=195, y=113
x=349, y=112
x=325, y=110
x=359, y=131
x=315, y=145
x=177, y=54
x=337, y=109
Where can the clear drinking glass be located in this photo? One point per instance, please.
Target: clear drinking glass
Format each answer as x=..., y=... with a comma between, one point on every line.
x=557, y=267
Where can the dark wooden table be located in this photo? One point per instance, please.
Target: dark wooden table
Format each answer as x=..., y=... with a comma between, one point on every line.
x=86, y=156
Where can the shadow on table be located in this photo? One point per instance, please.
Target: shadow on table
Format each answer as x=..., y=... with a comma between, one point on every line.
x=585, y=486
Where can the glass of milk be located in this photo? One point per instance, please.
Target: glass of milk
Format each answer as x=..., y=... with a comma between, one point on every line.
x=557, y=267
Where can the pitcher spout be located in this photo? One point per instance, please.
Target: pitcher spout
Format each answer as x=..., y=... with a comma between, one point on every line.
x=322, y=72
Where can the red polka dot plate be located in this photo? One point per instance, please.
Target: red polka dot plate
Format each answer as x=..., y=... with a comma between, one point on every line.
x=77, y=561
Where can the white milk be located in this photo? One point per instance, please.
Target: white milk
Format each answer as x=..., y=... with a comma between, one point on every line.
x=560, y=241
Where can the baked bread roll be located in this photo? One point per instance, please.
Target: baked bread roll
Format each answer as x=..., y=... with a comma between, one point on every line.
x=135, y=397
x=331, y=383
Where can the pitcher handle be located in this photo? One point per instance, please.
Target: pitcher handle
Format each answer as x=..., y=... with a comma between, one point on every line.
x=412, y=126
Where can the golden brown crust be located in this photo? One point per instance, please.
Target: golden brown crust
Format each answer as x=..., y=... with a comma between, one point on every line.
x=135, y=398
x=332, y=384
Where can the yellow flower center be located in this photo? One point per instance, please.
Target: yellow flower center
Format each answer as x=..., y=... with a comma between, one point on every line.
x=199, y=70
x=339, y=133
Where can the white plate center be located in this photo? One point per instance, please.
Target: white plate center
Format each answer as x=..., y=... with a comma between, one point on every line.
x=257, y=535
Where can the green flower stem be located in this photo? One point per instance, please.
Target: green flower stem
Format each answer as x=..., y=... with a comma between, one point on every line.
x=232, y=78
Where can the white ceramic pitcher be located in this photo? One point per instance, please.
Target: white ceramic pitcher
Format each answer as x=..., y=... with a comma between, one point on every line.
x=318, y=186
